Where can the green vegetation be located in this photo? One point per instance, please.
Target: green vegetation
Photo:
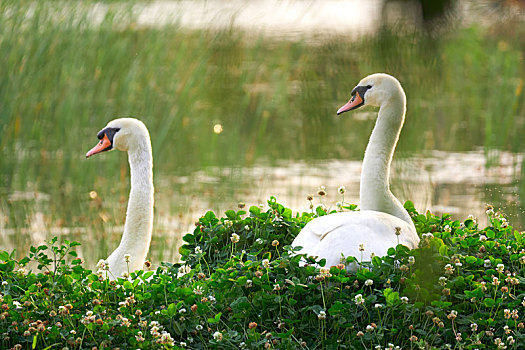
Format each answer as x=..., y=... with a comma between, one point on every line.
x=64, y=77
x=241, y=287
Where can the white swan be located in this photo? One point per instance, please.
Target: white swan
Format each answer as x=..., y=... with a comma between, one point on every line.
x=381, y=214
x=131, y=135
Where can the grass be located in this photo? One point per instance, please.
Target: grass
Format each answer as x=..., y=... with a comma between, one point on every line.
x=64, y=78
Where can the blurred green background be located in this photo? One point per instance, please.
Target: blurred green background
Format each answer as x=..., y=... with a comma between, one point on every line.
x=67, y=68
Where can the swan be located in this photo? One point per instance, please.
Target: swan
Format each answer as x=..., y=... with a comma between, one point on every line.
x=382, y=221
x=131, y=135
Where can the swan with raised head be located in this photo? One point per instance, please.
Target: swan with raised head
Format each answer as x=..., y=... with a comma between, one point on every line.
x=382, y=221
x=131, y=135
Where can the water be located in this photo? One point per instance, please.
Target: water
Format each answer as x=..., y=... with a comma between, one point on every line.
x=274, y=96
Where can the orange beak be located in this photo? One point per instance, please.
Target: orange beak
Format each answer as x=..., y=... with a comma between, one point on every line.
x=100, y=147
x=355, y=101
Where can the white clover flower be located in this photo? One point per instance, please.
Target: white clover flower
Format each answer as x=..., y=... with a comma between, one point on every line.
x=361, y=247
x=359, y=300
x=127, y=258
x=73, y=331
x=234, y=238
x=181, y=311
x=198, y=327
x=198, y=250
x=183, y=270
x=248, y=284
x=101, y=264
x=341, y=190
x=486, y=263
x=165, y=338
x=506, y=313
x=211, y=298
x=217, y=336
x=198, y=290
x=427, y=235
x=411, y=260
x=449, y=269
x=139, y=337
x=379, y=306
x=322, y=315
x=369, y=282
x=447, y=228
x=474, y=327
x=125, y=274
x=500, y=268
x=259, y=241
x=266, y=263
x=339, y=205
x=452, y=315
x=325, y=272
x=277, y=287
x=369, y=328
x=404, y=300
x=22, y=271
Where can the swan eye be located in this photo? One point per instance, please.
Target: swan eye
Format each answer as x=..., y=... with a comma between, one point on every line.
x=369, y=86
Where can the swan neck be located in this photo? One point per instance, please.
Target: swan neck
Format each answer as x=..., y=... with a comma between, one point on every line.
x=139, y=215
x=375, y=191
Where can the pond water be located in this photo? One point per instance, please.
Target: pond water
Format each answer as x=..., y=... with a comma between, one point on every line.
x=272, y=99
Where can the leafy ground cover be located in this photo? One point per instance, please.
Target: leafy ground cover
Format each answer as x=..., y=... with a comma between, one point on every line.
x=241, y=286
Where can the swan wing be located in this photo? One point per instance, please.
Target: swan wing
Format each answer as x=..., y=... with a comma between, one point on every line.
x=341, y=234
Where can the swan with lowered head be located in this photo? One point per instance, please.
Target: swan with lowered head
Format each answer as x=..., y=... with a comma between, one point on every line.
x=131, y=135
x=382, y=221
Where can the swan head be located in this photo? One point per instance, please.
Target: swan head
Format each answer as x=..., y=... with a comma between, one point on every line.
x=121, y=134
x=374, y=90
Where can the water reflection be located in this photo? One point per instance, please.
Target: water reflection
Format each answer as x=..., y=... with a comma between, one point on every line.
x=442, y=182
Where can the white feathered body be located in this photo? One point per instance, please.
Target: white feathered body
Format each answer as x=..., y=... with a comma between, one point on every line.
x=336, y=235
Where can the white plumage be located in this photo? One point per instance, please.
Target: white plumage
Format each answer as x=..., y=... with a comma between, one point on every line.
x=381, y=215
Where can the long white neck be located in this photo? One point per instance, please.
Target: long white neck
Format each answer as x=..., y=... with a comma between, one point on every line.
x=375, y=176
x=139, y=216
